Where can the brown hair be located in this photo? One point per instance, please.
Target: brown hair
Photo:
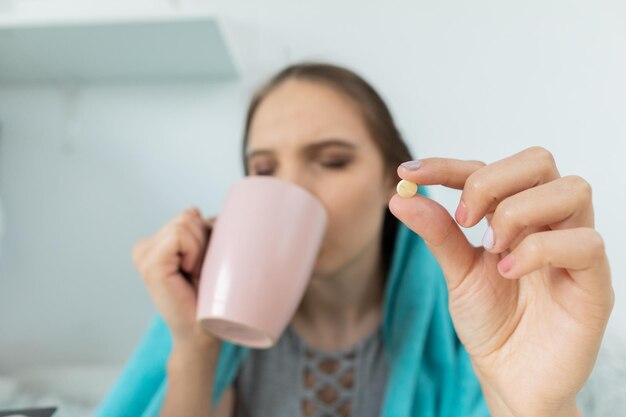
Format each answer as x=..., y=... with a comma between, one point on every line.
x=376, y=115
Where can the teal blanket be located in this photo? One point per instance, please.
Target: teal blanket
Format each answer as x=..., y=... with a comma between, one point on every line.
x=430, y=371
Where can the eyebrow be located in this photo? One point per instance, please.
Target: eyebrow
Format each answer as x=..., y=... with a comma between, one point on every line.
x=313, y=147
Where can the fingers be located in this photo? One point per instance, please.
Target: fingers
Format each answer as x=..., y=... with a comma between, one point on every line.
x=579, y=250
x=440, y=171
x=179, y=245
x=560, y=204
x=440, y=232
x=176, y=249
x=169, y=262
x=484, y=189
x=484, y=186
x=194, y=226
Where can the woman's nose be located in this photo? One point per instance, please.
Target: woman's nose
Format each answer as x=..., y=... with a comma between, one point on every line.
x=293, y=174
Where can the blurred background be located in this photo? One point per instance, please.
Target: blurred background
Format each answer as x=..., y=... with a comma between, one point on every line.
x=117, y=115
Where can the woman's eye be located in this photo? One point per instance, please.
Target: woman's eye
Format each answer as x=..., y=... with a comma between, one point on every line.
x=264, y=172
x=335, y=163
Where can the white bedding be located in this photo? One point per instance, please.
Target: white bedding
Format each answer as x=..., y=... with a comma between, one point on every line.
x=76, y=391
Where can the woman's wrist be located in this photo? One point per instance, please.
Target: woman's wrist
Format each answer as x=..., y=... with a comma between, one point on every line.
x=196, y=341
x=498, y=407
x=200, y=354
x=190, y=371
x=569, y=410
x=497, y=410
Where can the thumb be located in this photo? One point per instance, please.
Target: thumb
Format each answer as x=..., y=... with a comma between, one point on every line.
x=440, y=232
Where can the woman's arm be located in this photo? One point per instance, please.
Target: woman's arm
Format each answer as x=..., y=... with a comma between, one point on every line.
x=190, y=371
x=165, y=261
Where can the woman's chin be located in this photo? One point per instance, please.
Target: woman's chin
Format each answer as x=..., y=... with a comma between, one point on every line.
x=325, y=265
x=322, y=270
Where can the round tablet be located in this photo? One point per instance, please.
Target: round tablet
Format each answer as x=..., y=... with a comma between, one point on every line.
x=406, y=189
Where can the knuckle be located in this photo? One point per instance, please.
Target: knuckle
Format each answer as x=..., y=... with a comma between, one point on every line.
x=188, y=214
x=506, y=213
x=504, y=222
x=167, y=246
x=596, y=242
x=176, y=230
x=581, y=186
x=171, y=239
x=540, y=152
x=475, y=184
x=478, y=162
x=546, y=160
x=532, y=248
x=185, y=217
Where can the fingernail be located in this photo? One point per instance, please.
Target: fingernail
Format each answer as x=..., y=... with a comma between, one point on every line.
x=411, y=165
x=461, y=213
x=506, y=264
x=488, y=240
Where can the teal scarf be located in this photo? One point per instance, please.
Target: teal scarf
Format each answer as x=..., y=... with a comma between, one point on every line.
x=430, y=371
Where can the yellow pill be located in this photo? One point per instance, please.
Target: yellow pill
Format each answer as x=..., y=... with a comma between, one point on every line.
x=406, y=189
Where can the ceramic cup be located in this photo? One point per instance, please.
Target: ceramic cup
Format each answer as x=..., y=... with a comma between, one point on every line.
x=261, y=254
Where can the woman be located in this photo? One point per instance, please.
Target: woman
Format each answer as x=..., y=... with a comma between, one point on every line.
x=530, y=306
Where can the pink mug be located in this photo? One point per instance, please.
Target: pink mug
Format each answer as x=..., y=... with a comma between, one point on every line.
x=263, y=247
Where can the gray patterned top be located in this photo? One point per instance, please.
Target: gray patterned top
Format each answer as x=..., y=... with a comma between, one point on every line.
x=292, y=379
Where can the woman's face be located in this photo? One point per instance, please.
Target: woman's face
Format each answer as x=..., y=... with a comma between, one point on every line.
x=314, y=136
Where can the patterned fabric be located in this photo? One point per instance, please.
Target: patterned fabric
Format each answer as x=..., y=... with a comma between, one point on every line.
x=293, y=379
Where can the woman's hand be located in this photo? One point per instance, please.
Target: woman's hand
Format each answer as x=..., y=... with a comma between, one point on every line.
x=532, y=304
x=170, y=262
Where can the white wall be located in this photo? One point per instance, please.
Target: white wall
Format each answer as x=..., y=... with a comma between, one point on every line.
x=474, y=80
